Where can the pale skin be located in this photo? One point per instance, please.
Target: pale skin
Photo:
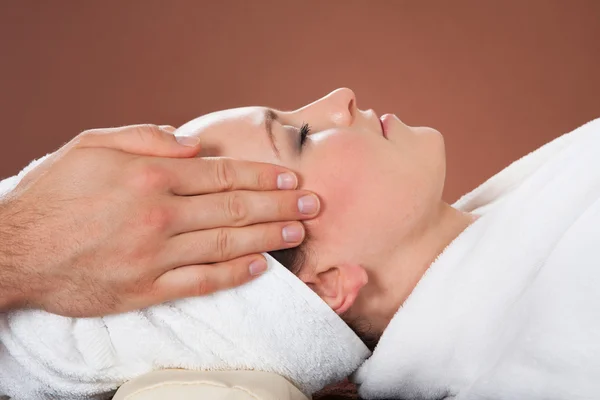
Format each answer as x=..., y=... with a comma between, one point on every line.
x=382, y=220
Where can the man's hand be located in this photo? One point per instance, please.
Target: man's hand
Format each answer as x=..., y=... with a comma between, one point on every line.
x=96, y=230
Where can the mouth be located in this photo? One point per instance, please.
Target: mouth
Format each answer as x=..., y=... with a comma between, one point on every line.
x=383, y=133
x=385, y=124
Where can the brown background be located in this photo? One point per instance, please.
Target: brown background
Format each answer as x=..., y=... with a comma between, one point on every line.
x=498, y=78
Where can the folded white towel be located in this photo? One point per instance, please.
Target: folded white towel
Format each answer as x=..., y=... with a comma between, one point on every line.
x=274, y=324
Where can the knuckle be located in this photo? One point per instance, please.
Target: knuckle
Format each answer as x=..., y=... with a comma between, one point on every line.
x=203, y=285
x=129, y=271
x=147, y=177
x=148, y=132
x=157, y=217
x=237, y=211
x=86, y=136
x=224, y=174
x=88, y=132
x=223, y=244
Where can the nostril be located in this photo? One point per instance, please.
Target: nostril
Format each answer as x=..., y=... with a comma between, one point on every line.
x=352, y=109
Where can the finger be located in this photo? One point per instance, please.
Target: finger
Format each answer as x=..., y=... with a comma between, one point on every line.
x=200, y=280
x=195, y=176
x=168, y=128
x=223, y=244
x=241, y=208
x=149, y=140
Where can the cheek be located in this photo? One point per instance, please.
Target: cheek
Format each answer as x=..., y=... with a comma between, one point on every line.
x=350, y=178
x=372, y=196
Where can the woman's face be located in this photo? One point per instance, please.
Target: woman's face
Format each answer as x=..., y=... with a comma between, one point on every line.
x=376, y=179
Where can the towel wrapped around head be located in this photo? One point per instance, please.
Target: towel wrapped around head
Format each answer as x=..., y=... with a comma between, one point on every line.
x=274, y=324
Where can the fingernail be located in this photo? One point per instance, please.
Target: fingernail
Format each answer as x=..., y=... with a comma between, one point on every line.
x=190, y=141
x=168, y=128
x=292, y=233
x=257, y=267
x=308, y=204
x=286, y=181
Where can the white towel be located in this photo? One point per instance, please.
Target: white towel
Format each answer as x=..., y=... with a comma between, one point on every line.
x=274, y=324
x=8, y=184
x=511, y=308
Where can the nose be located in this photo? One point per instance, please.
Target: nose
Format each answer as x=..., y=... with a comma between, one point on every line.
x=337, y=108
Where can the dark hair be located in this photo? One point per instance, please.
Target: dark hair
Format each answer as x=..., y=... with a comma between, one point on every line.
x=293, y=259
x=344, y=390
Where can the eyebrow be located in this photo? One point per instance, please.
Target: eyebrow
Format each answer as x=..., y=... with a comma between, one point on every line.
x=271, y=116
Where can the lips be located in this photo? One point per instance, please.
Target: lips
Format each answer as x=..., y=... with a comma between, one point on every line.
x=382, y=128
x=385, y=124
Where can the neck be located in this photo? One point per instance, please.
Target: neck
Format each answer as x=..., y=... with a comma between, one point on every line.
x=394, y=279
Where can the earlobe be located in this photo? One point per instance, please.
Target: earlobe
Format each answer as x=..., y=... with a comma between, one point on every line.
x=339, y=285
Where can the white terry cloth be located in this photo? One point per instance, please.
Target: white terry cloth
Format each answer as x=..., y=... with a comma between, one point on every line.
x=273, y=324
x=8, y=184
x=511, y=308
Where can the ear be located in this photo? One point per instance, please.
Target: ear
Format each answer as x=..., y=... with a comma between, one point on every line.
x=339, y=285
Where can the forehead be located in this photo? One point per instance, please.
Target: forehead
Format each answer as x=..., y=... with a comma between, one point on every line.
x=237, y=133
x=246, y=118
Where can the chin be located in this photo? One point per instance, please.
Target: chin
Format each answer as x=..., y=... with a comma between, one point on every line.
x=435, y=148
x=434, y=137
x=425, y=130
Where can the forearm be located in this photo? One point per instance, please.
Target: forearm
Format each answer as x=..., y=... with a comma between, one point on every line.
x=12, y=279
x=14, y=284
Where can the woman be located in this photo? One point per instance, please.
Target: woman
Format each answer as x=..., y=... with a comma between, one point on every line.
x=380, y=184
x=459, y=298
x=509, y=306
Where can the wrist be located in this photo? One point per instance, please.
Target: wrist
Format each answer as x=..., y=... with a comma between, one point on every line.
x=12, y=293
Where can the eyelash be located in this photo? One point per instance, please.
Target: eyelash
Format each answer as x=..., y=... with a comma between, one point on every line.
x=304, y=132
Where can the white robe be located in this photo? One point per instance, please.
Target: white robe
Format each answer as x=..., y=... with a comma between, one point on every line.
x=511, y=308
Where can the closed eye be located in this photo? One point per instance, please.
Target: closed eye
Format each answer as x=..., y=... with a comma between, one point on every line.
x=304, y=132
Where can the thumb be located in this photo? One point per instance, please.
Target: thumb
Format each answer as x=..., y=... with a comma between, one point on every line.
x=147, y=140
